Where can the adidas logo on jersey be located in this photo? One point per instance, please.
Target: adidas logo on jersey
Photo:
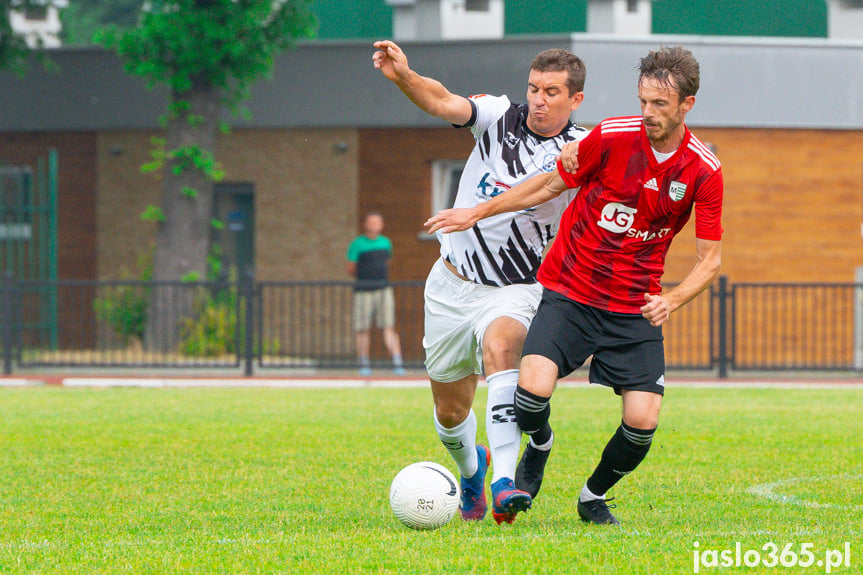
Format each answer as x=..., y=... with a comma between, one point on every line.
x=652, y=185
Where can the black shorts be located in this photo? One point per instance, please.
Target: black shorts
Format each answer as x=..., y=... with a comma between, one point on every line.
x=628, y=352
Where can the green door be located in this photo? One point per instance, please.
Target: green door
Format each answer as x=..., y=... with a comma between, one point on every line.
x=28, y=246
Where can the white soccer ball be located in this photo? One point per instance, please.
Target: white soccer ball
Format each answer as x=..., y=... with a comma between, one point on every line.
x=424, y=495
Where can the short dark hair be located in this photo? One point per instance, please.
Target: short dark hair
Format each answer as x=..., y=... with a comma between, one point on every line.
x=675, y=68
x=560, y=60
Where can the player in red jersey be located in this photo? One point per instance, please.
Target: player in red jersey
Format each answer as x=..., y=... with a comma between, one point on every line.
x=639, y=179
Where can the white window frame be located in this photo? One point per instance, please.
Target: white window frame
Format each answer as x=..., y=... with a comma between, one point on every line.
x=445, y=178
x=477, y=5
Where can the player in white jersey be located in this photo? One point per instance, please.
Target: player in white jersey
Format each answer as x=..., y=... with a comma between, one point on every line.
x=481, y=295
x=505, y=249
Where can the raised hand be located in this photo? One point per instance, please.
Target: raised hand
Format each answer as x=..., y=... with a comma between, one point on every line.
x=390, y=60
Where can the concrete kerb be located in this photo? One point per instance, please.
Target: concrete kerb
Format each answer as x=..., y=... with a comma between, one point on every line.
x=331, y=380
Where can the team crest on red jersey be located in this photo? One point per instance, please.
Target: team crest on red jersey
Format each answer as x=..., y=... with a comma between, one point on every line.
x=676, y=191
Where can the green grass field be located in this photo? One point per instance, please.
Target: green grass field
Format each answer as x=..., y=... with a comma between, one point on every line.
x=296, y=481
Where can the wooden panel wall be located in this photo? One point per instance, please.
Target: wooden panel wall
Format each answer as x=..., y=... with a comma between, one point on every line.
x=793, y=206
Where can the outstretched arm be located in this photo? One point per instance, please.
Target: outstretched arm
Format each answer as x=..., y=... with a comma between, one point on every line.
x=428, y=94
x=658, y=308
x=533, y=192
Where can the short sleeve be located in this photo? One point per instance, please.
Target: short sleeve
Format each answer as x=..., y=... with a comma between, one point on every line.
x=488, y=110
x=708, y=208
x=353, y=251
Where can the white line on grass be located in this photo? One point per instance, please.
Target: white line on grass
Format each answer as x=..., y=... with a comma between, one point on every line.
x=206, y=382
x=18, y=382
x=766, y=490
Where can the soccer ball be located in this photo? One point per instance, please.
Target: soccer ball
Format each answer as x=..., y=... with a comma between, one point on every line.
x=424, y=495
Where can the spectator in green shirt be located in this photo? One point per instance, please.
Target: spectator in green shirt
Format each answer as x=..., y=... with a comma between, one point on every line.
x=368, y=259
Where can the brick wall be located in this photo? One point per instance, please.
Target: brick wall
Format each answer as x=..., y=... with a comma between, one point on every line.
x=792, y=197
x=793, y=202
x=123, y=193
x=395, y=178
x=76, y=192
x=793, y=206
x=305, y=199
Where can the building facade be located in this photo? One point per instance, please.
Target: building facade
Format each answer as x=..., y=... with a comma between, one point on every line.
x=329, y=138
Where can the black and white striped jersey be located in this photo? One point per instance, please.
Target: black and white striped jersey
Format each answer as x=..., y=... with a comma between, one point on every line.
x=505, y=249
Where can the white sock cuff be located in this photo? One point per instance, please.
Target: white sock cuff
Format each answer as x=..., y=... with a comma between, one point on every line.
x=460, y=441
x=466, y=425
x=503, y=377
x=545, y=446
x=588, y=495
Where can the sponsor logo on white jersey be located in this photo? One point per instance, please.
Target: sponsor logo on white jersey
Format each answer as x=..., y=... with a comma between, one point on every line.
x=616, y=217
x=489, y=189
x=510, y=140
x=652, y=185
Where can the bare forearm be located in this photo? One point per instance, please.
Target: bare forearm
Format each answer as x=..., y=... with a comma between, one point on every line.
x=422, y=91
x=434, y=99
x=533, y=192
x=427, y=94
x=699, y=278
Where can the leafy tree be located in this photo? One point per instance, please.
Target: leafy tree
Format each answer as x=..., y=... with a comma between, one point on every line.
x=13, y=47
x=83, y=18
x=208, y=53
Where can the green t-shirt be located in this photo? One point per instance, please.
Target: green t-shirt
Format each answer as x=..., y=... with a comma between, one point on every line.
x=372, y=259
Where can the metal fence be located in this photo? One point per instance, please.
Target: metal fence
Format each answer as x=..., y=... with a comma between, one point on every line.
x=309, y=324
x=797, y=327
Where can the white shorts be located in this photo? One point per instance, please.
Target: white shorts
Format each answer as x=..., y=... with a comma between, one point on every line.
x=458, y=312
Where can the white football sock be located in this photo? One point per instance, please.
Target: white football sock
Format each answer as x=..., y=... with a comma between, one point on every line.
x=545, y=446
x=504, y=436
x=460, y=441
x=588, y=495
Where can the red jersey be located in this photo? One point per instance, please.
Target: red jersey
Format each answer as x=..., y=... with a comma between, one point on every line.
x=615, y=234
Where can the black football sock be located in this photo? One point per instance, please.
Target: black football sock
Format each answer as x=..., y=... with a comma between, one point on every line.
x=624, y=451
x=532, y=412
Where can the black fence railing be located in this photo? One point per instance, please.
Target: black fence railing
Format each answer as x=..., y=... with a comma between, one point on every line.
x=797, y=327
x=310, y=324
x=263, y=325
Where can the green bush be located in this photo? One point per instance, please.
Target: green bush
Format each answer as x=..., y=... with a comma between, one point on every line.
x=124, y=307
x=212, y=331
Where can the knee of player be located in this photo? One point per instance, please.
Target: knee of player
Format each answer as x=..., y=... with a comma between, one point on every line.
x=451, y=414
x=641, y=420
x=501, y=353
